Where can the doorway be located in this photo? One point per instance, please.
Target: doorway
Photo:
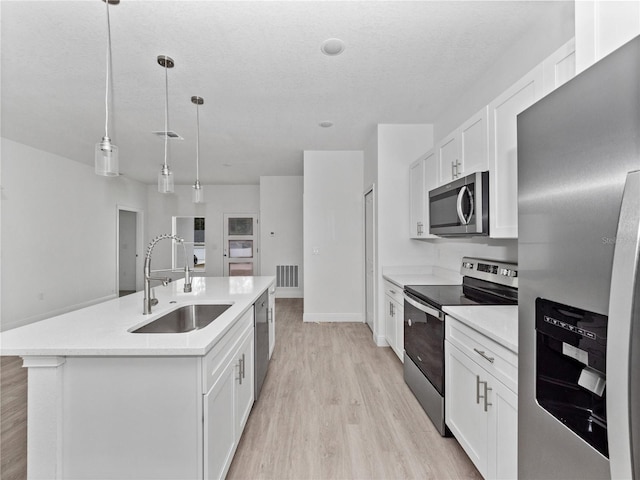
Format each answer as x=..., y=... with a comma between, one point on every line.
x=241, y=252
x=129, y=259
x=369, y=252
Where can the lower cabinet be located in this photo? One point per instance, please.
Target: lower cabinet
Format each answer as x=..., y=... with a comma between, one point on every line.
x=226, y=408
x=394, y=318
x=482, y=413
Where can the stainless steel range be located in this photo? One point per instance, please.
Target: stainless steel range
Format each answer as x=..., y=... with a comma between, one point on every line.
x=484, y=282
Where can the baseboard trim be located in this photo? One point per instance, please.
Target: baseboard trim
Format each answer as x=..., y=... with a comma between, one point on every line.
x=333, y=317
x=381, y=341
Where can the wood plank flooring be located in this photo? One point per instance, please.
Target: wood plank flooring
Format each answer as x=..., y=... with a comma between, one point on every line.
x=335, y=406
x=13, y=419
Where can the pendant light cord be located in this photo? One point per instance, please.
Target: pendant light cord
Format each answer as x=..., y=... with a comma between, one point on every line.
x=198, y=142
x=166, y=112
x=106, y=93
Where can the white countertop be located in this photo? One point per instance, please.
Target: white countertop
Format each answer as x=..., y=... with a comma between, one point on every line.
x=498, y=322
x=104, y=329
x=401, y=276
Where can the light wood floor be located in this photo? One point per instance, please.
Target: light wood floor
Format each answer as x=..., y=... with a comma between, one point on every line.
x=335, y=406
x=13, y=419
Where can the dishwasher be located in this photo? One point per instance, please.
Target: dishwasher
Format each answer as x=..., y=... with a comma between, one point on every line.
x=261, y=341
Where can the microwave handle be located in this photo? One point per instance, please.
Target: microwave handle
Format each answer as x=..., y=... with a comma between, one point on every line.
x=464, y=220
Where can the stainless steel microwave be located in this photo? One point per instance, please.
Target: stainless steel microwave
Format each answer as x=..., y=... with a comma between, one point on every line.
x=461, y=207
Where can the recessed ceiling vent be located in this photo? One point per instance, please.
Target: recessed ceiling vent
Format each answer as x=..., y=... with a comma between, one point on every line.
x=170, y=134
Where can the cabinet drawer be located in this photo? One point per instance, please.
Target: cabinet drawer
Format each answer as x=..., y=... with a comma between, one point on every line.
x=215, y=360
x=497, y=360
x=394, y=291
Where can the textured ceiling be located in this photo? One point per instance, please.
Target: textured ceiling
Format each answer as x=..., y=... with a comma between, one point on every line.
x=258, y=66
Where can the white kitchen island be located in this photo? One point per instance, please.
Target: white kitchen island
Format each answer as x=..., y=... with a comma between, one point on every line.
x=107, y=403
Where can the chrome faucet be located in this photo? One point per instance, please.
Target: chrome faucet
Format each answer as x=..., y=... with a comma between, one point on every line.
x=148, y=301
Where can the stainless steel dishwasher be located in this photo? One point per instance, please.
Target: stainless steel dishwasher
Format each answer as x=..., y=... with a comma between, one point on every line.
x=261, y=343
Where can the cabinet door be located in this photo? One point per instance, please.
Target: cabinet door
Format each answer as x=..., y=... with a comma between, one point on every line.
x=244, y=394
x=219, y=423
x=448, y=159
x=559, y=67
x=464, y=409
x=390, y=321
x=503, y=432
x=603, y=26
x=417, y=200
x=503, y=150
x=474, y=144
x=399, y=319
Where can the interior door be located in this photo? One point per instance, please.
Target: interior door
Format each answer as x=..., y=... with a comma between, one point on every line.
x=241, y=245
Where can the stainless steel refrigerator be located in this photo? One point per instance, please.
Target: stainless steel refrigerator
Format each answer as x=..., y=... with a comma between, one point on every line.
x=579, y=292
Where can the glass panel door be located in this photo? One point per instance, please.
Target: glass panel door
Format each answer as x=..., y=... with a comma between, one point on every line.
x=241, y=252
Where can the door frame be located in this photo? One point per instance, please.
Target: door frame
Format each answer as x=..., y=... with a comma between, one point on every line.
x=139, y=245
x=371, y=190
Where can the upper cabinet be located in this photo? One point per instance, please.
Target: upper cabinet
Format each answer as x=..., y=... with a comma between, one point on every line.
x=559, y=67
x=503, y=152
x=423, y=176
x=602, y=26
x=465, y=150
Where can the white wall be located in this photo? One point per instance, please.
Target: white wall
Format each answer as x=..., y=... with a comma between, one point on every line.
x=449, y=252
x=281, y=228
x=392, y=149
x=58, y=233
x=219, y=199
x=334, y=230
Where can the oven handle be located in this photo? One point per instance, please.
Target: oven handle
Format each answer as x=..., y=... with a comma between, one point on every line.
x=424, y=308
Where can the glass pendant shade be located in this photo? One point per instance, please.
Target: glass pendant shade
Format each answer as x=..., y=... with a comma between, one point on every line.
x=198, y=193
x=165, y=180
x=106, y=158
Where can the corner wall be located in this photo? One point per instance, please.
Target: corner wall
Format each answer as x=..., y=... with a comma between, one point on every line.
x=59, y=223
x=333, y=236
x=281, y=210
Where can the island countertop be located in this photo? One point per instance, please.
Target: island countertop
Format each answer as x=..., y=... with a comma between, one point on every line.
x=105, y=329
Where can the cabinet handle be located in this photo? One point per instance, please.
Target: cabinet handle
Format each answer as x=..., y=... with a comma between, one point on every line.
x=458, y=165
x=484, y=355
x=243, y=366
x=392, y=292
x=453, y=174
x=478, y=382
x=485, y=395
x=240, y=371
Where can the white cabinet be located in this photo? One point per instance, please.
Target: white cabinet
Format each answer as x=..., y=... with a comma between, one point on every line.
x=272, y=319
x=423, y=176
x=394, y=318
x=602, y=26
x=481, y=406
x=559, y=67
x=227, y=404
x=503, y=152
x=465, y=150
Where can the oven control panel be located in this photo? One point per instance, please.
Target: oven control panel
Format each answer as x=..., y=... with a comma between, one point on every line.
x=505, y=273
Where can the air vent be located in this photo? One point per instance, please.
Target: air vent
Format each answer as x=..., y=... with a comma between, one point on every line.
x=170, y=134
x=287, y=276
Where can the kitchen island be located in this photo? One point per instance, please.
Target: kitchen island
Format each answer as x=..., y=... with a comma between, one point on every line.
x=104, y=402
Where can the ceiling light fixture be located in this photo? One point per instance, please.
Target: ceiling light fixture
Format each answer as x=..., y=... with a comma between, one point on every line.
x=165, y=176
x=326, y=124
x=332, y=47
x=198, y=192
x=106, y=153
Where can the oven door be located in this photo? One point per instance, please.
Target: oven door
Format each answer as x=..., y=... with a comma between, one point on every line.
x=424, y=339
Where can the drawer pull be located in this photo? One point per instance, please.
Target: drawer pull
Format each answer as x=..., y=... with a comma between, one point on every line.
x=484, y=355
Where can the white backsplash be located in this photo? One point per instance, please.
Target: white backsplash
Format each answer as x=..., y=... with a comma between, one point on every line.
x=449, y=252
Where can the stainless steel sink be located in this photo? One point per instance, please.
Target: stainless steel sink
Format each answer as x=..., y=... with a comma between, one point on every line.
x=184, y=319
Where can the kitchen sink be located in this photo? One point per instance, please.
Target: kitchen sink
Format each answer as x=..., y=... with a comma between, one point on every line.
x=184, y=319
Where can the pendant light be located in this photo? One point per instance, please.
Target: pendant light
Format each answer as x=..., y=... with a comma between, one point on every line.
x=198, y=192
x=165, y=176
x=106, y=153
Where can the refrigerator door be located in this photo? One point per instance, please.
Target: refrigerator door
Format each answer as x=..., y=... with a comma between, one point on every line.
x=575, y=149
x=623, y=381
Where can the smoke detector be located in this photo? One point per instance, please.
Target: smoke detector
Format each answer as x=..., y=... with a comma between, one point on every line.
x=332, y=47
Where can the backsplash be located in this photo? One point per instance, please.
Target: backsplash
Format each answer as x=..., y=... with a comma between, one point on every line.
x=448, y=253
